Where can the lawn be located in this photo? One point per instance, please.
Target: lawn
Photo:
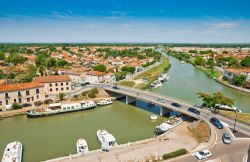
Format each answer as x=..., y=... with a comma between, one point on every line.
x=242, y=117
x=127, y=83
x=153, y=73
x=201, y=131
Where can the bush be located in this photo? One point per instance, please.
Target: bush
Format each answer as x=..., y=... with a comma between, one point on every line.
x=48, y=101
x=174, y=154
x=38, y=103
x=95, y=90
x=16, y=106
x=91, y=95
x=84, y=93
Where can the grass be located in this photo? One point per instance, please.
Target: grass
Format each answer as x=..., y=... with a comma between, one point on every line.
x=127, y=83
x=201, y=131
x=153, y=73
x=242, y=117
x=174, y=154
x=211, y=73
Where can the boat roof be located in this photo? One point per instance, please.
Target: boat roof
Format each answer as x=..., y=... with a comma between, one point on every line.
x=165, y=126
x=55, y=104
x=108, y=137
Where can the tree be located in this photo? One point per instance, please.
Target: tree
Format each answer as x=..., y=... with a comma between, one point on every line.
x=128, y=69
x=2, y=55
x=62, y=63
x=100, y=67
x=199, y=61
x=245, y=62
x=16, y=106
x=233, y=62
x=216, y=98
x=61, y=96
x=239, y=80
x=210, y=63
x=15, y=59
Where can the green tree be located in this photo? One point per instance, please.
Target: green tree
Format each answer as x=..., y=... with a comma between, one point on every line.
x=233, y=62
x=62, y=63
x=100, y=67
x=216, y=98
x=245, y=62
x=15, y=59
x=16, y=106
x=128, y=69
x=2, y=55
x=199, y=61
x=61, y=96
x=239, y=80
x=210, y=63
x=51, y=63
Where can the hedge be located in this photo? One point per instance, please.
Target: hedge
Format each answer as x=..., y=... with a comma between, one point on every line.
x=175, y=154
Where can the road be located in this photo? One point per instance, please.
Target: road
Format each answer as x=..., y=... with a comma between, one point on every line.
x=234, y=152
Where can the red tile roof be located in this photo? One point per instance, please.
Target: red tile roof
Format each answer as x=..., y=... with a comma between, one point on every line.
x=20, y=86
x=52, y=78
x=96, y=73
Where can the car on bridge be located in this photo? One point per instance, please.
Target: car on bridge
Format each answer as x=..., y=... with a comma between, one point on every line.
x=176, y=104
x=226, y=138
x=194, y=110
x=216, y=122
x=204, y=154
x=161, y=100
x=115, y=86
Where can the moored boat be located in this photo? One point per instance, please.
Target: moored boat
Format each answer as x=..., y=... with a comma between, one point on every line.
x=104, y=102
x=13, y=152
x=153, y=117
x=106, y=139
x=58, y=108
x=82, y=146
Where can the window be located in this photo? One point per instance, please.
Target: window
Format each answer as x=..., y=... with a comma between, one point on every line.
x=32, y=98
x=62, y=89
x=20, y=100
x=1, y=102
x=50, y=90
x=37, y=91
x=68, y=108
x=67, y=88
x=37, y=97
x=72, y=107
x=28, y=99
x=56, y=89
x=6, y=95
x=27, y=93
x=56, y=84
x=14, y=100
x=50, y=85
x=19, y=93
x=67, y=83
x=61, y=84
x=7, y=102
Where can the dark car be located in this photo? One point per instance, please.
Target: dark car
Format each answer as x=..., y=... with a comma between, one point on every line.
x=175, y=104
x=26, y=105
x=84, y=84
x=115, y=87
x=194, y=110
x=216, y=122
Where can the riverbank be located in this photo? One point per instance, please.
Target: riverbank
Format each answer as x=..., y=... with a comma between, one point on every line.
x=153, y=73
x=241, y=117
x=219, y=80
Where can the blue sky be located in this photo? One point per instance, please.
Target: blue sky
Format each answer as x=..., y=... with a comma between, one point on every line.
x=170, y=21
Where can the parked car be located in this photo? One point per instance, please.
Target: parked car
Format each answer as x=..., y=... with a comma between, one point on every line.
x=226, y=138
x=161, y=100
x=194, y=110
x=84, y=84
x=204, y=154
x=115, y=87
x=26, y=105
x=175, y=104
x=216, y=122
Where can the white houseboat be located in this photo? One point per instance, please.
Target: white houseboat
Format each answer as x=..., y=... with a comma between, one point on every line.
x=13, y=152
x=104, y=102
x=106, y=139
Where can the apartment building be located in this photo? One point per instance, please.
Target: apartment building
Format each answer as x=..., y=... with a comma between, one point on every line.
x=20, y=93
x=55, y=84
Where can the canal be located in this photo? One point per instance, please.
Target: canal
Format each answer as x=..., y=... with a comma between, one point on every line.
x=185, y=81
x=56, y=136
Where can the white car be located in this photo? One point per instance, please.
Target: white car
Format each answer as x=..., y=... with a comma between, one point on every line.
x=203, y=154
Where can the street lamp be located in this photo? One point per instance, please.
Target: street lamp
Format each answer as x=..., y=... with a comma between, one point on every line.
x=235, y=120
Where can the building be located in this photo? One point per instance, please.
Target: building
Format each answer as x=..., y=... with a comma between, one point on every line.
x=231, y=73
x=55, y=84
x=20, y=93
x=95, y=77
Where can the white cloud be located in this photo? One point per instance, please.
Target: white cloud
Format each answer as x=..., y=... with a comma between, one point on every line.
x=226, y=25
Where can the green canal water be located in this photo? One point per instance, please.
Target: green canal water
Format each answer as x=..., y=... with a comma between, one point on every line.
x=55, y=136
x=185, y=81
